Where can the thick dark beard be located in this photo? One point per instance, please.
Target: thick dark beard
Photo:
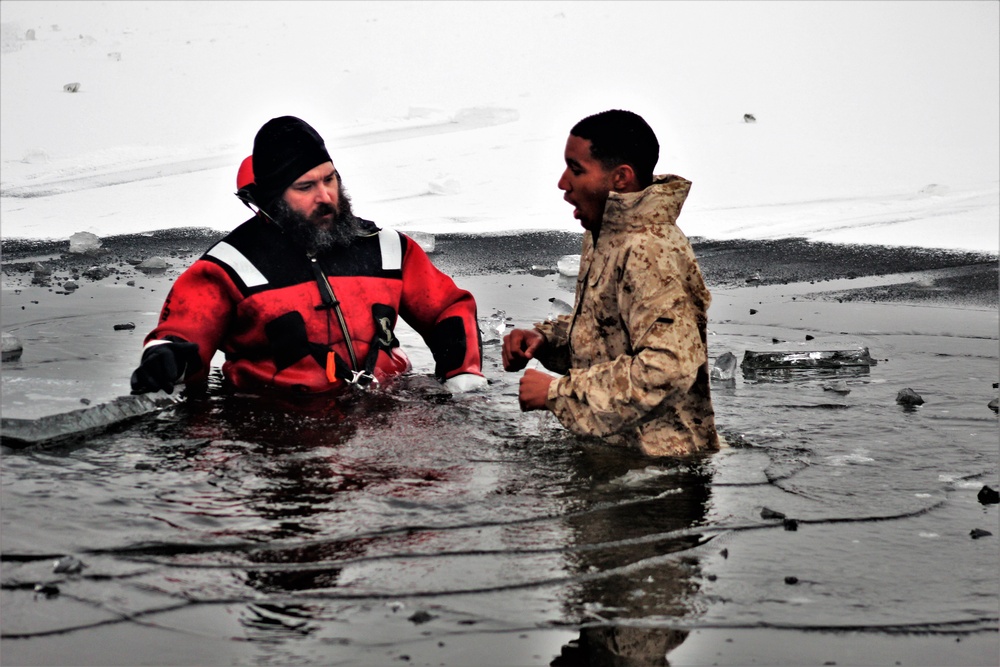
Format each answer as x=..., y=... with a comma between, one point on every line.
x=304, y=232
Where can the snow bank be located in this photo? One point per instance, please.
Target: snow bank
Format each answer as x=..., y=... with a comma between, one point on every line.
x=875, y=122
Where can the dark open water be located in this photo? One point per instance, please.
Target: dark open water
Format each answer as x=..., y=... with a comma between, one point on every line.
x=411, y=527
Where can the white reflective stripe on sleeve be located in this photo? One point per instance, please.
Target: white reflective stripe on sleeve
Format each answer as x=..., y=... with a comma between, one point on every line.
x=392, y=249
x=155, y=342
x=235, y=260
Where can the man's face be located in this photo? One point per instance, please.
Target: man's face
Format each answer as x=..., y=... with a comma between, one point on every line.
x=323, y=220
x=585, y=183
x=315, y=195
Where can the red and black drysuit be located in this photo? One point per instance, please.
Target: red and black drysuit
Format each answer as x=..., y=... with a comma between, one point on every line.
x=263, y=302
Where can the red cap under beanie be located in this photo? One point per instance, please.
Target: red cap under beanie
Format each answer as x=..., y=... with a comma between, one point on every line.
x=244, y=176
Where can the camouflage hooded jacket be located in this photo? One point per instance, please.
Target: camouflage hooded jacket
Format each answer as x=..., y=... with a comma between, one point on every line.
x=634, y=351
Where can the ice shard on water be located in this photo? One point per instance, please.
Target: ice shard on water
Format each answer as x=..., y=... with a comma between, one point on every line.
x=756, y=361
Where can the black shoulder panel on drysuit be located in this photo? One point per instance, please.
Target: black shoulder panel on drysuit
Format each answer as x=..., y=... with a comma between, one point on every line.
x=270, y=254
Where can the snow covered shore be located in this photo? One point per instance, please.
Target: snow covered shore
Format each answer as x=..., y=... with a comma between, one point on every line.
x=875, y=123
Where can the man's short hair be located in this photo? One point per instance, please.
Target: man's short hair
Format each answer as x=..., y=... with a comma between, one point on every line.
x=621, y=137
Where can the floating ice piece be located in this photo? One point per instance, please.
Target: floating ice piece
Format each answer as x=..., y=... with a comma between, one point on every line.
x=19, y=433
x=12, y=347
x=857, y=457
x=839, y=387
x=639, y=477
x=559, y=307
x=725, y=367
x=424, y=240
x=83, y=243
x=569, y=265
x=815, y=359
x=493, y=327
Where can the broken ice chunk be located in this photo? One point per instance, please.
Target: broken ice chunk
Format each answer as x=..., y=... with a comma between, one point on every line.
x=424, y=240
x=493, y=327
x=569, y=265
x=559, y=307
x=83, y=243
x=811, y=359
x=12, y=347
x=725, y=367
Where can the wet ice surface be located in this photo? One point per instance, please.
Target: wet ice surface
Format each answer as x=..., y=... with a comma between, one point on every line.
x=413, y=526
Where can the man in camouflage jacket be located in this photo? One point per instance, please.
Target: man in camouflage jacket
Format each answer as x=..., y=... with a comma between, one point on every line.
x=634, y=352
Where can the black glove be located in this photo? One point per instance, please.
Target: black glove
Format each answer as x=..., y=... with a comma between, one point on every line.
x=163, y=365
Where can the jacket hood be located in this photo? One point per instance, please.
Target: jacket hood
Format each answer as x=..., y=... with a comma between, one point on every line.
x=660, y=203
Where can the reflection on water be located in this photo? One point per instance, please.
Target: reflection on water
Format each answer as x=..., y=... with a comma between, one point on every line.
x=639, y=580
x=801, y=375
x=412, y=526
x=620, y=645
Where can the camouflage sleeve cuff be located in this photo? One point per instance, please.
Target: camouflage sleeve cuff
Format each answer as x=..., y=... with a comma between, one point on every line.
x=556, y=331
x=553, y=393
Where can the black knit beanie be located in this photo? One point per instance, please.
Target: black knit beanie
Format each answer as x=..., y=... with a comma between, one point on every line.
x=284, y=149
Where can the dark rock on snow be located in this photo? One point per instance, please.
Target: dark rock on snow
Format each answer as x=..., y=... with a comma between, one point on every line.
x=421, y=617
